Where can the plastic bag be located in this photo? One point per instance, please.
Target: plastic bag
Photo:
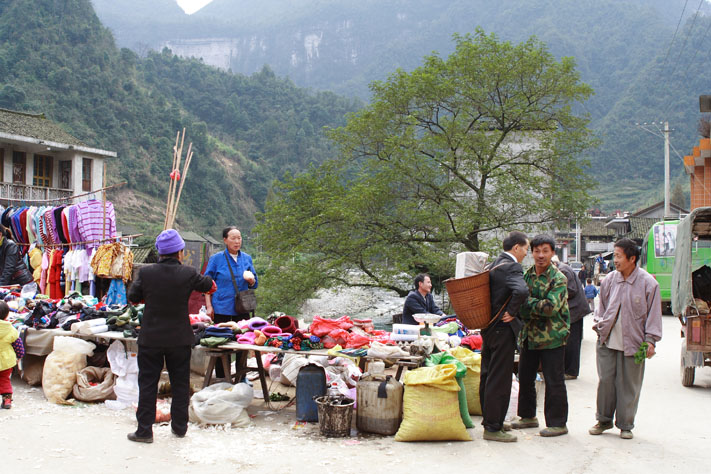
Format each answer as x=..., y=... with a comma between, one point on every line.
x=60, y=369
x=290, y=367
x=430, y=406
x=125, y=365
x=94, y=384
x=321, y=327
x=222, y=403
x=356, y=341
x=513, y=402
x=29, y=291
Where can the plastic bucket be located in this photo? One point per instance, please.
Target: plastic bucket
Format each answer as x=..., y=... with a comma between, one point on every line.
x=334, y=416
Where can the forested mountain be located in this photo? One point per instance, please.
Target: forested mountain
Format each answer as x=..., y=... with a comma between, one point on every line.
x=57, y=58
x=623, y=49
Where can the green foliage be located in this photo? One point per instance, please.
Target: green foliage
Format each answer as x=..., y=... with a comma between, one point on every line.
x=443, y=158
x=59, y=60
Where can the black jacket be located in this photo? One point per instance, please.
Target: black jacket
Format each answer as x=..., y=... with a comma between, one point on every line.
x=14, y=270
x=166, y=287
x=577, y=303
x=504, y=282
x=415, y=303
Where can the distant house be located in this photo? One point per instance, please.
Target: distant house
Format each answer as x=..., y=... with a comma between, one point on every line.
x=40, y=161
x=657, y=211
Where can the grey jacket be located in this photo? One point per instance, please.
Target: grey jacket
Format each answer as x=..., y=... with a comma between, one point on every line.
x=640, y=306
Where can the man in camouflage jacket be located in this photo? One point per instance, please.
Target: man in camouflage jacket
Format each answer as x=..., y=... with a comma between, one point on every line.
x=546, y=325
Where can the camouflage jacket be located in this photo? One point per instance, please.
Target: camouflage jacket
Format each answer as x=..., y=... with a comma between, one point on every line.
x=545, y=313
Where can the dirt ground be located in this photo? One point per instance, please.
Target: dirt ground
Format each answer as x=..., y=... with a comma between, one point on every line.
x=672, y=435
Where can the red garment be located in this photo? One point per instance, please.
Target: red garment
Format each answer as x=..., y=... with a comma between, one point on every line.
x=23, y=230
x=5, y=385
x=55, y=275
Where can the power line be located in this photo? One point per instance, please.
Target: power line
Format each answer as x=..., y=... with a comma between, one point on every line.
x=681, y=17
x=678, y=56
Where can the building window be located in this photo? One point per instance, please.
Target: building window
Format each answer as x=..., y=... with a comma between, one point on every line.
x=86, y=174
x=43, y=171
x=18, y=167
x=65, y=174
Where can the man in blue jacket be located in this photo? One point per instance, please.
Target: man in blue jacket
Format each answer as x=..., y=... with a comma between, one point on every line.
x=420, y=300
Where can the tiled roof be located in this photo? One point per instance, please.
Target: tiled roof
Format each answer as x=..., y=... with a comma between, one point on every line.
x=34, y=126
x=144, y=254
x=190, y=236
x=596, y=227
x=640, y=226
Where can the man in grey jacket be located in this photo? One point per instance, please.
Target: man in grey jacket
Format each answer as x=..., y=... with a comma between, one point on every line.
x=629, y=314
x=579, y=308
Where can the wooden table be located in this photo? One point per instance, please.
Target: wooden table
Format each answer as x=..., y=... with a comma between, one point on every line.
x=224, y=352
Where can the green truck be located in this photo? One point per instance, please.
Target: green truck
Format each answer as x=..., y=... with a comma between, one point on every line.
x=657, y=258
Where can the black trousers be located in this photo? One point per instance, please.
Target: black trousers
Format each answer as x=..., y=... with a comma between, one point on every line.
x=556, y=405
x=223, y=318
x=572, y=348
x=150, y=366
x=497, y=364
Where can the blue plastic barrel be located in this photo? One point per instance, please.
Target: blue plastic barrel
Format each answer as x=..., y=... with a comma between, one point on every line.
x=310, y=383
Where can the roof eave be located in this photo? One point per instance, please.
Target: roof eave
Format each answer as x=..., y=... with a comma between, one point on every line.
x=61, y=146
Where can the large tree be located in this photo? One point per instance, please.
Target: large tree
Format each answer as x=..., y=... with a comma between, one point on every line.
x=445, y=158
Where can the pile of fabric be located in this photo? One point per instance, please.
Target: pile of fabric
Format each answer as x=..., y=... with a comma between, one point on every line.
x=347, y=333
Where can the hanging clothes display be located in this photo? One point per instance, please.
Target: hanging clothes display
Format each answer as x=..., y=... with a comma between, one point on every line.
x=63, y=239
x=113, y=261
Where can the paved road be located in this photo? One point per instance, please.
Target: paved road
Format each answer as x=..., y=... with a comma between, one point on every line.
x=673, y=434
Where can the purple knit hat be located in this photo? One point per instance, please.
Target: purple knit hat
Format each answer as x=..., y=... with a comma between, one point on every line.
x=169, y=241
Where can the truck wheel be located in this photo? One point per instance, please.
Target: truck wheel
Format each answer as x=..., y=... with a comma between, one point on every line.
x=687, y=373
x=687, y=376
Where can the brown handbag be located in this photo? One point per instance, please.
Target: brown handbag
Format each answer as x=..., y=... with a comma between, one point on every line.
x=245, y=301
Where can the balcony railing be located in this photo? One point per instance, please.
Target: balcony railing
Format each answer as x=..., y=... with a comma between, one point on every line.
x=24, y=192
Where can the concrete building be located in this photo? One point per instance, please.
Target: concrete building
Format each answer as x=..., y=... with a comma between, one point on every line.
x=40, y=161
x=698, y=167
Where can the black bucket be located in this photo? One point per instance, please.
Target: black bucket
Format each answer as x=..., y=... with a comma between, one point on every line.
x=334, y=416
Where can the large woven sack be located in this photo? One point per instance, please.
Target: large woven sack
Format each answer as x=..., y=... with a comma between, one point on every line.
x=431, y=406
x=60, y=369
x=443, y=358
x=471, y=381
x=103, y=389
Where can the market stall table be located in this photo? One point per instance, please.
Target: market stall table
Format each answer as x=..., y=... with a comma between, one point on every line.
x=224, y=352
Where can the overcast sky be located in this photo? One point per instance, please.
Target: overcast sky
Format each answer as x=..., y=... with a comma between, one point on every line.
x=191, y=6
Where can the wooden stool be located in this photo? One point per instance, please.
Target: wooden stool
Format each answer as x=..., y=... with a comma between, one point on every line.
x=224, y=357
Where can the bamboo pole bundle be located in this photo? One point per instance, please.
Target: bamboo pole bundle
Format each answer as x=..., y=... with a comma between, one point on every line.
x=175, y=191
x=172, y=182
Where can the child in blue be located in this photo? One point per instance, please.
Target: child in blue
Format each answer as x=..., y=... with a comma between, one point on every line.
x=590, y=293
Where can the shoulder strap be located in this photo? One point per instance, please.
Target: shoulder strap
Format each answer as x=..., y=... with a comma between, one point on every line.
x=229, y=265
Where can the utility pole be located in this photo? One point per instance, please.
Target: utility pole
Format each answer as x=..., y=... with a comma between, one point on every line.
x=667, y=207
x=578, y=252
x=663, y=134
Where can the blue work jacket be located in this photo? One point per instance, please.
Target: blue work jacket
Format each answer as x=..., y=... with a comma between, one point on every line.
x=223, y=300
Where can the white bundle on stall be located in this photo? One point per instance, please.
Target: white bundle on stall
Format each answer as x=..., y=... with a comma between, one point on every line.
x=125, y=365
x=222, y=403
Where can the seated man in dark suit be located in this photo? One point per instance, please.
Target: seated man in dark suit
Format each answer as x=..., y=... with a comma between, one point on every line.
x=420, y=300
x=508, y=292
